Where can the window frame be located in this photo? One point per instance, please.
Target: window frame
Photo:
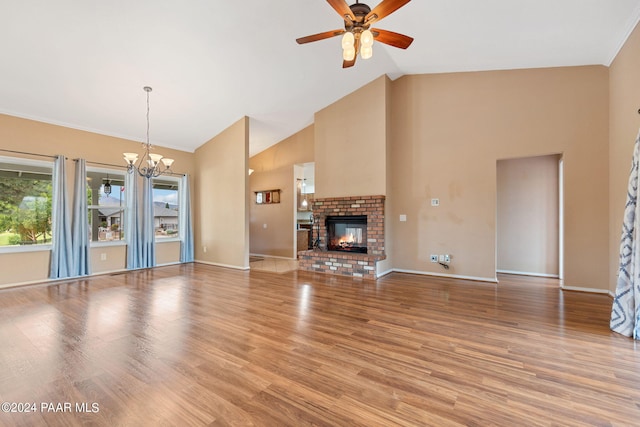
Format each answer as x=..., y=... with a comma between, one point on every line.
x=178, y=237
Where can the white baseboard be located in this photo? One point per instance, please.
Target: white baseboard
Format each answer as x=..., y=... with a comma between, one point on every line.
x=170, y=263
x=528, y=273
x=47, y=281
x=216, y=264
x=590, y=290
x=33, y=282
x=450, y=276
x=384, y=273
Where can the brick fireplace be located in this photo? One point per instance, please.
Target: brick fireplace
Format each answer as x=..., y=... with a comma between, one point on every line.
x=347, y=263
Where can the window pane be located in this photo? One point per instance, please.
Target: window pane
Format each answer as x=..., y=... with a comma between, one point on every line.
x=165, y=207
x=25, y=204
x=106, y=201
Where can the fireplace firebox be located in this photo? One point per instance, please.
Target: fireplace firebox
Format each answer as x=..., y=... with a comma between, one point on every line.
x=347, y=233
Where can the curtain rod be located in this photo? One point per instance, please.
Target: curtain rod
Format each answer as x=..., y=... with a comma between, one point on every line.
x=28, y=154
x=125, y=167
x=103, y=164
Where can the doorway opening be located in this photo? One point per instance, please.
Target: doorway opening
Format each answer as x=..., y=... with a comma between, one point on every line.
x=529, y=214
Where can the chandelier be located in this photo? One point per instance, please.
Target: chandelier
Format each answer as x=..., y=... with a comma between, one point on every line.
x=151, y=164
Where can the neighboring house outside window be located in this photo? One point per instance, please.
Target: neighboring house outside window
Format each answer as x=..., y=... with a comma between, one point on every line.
x=25, y=202
x=106, y=208
x=165, y=207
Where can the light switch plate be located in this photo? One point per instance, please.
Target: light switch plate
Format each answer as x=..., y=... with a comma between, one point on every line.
x=403, y=218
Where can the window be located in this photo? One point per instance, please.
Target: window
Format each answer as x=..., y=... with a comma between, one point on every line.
x=166, y=207
x=25, y=202
x=106, y=204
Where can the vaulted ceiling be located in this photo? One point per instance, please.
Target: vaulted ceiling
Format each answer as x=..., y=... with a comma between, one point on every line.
x=83, y=64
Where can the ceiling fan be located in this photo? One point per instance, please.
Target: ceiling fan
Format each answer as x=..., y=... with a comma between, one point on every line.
x=357, y=37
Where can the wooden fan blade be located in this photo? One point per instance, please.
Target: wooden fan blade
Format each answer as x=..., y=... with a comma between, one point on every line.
x=391, y=38
x=385, y=8
x=347, y=64
x=342, y=8
x=319, y=36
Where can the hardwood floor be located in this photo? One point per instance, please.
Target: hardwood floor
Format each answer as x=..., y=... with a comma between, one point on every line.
x=199, y=345
x=273, y=265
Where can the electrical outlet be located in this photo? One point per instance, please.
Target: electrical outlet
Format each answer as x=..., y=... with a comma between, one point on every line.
x=447, y=258
x=103, y=256
x=434, y=258
x=435, y=202
x=204, y=249
x=441, y=258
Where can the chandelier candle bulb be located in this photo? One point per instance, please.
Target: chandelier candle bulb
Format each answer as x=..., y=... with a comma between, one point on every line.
x=366, y=52
x=130, y=158
x=155, y=158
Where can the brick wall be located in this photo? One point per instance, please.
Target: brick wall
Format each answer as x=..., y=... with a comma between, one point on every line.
x=347, y=263
x=342, y=263
x=371, y=206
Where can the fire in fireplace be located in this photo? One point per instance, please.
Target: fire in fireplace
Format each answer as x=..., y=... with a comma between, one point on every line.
x=347, y=233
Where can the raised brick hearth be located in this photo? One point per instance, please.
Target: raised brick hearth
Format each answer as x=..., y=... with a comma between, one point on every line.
x=347, y=263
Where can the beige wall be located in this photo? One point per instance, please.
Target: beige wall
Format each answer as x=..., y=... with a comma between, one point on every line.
x=221, y=210
x=386, y=265
x=277, y=239
x=37, y=137
x=624, y=102
x=24, y=267
x=350, y=144
x=527, y=215
x=352, y=140
x=449, y=130
x=115, y=258
x=42, y=138
x=296, y=149
x=167, y=252
x=274, y=169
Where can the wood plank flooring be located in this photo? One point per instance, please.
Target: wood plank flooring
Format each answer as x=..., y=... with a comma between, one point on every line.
x=196, y=345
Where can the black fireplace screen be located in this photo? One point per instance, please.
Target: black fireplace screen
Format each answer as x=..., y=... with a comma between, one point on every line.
x=347, y=233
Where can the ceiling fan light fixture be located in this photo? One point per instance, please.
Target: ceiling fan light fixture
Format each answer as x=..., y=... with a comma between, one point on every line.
x=347, y=40
x=366, y=39
x=349, y=54
x=366, y=52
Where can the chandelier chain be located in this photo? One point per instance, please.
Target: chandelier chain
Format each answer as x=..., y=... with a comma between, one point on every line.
x=148, y=89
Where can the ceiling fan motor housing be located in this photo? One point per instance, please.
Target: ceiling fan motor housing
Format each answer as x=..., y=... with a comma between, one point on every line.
x=360, y=11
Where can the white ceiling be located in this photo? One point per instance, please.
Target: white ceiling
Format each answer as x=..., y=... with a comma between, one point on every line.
x=83, y=63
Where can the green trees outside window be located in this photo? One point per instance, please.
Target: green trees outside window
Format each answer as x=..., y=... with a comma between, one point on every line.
x=25, y=204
